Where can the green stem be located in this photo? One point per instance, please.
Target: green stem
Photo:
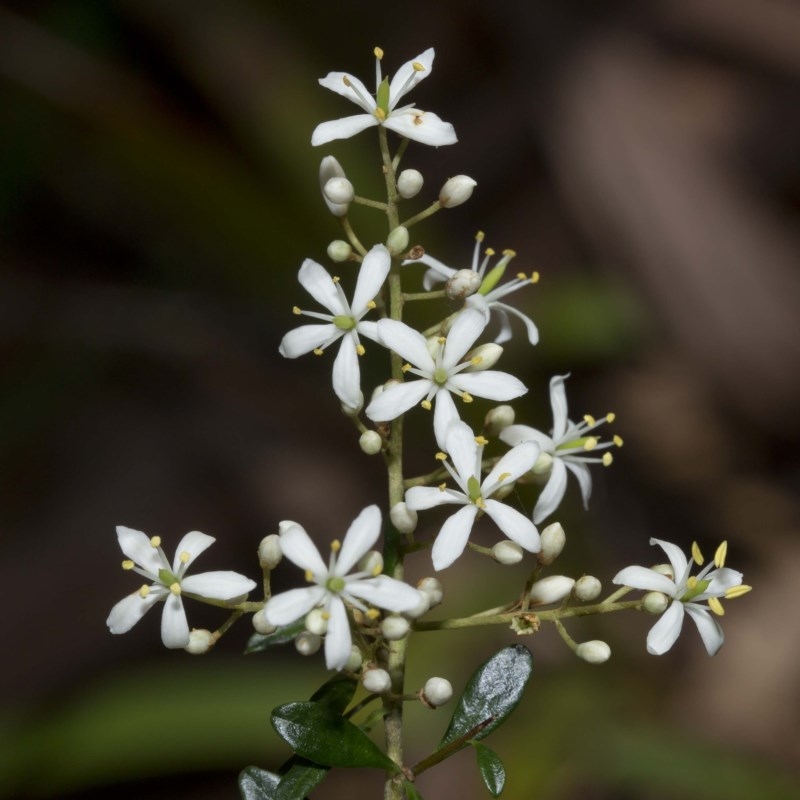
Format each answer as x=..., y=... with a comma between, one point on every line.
x=351, y=235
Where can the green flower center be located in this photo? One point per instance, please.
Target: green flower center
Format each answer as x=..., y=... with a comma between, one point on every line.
x=694, y=587
x=344, y=323
x=440, y=376
x=382, y=98
x=335, y=584
x=167, y=578
x=474, y=489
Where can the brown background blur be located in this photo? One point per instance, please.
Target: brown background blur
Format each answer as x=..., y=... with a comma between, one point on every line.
x=157, y=194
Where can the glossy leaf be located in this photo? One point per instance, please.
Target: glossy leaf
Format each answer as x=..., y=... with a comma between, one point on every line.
x=258, y=784
x=319, y=734
x=493, y=773
x=300, y=779
x=336, y=693
x=491, y=694
x=260, y=642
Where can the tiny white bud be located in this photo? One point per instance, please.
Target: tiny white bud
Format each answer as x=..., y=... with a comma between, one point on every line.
x=370, y=442
x=553, y=540
x=395, y=628
x=316, y=622
x=588, y=588
x=339, y=191
x=409, y=182
x=462, y=283
x=330, y=168
x=552, y=589
x=403, y=518
x=437, y=692
x=456, y=191
x=507, y=552
x=433, y=588
x=655, y=602
x=261, y=624
x=421, y=608
x=397, y=241
x=269, y=551
x=355, y=660
x=371, y=561
x=307, y=643
x=382, y=387
x=200, y=641
x=484, y=356
x=339, y=251
x=593, y=652
x=376, y=681
x=498, y=418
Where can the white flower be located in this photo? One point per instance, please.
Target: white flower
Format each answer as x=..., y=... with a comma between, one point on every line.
x=333, y=587
x=488, y=298
x=466, y=453
x=421, y=126
x=441, y=373
x=169, y=581
x=345, y=321
x=695, y=595
x=567, y=448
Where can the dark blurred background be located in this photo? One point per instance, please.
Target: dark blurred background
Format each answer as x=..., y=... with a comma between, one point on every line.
x=158, y=193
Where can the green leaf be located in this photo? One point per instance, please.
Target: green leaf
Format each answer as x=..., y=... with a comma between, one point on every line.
x=258, y=784
x=411, y=791
x=491, y=694
x=493, y=773
x=336, y=693
x=258, y=642
x=302, y=777
x=319, y=734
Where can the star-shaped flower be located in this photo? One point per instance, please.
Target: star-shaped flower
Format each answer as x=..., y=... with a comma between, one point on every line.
x=441, y=373
x=421, y=126
x=568, y=447
x=466, y=453
x=332, y=586
x=344, y=322
x=169, y=582
x=695, y=595
x=490, y=293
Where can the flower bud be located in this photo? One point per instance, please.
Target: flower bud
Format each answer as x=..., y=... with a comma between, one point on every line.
x=655, y=602
x=376, y=681
x=284, y=525
x=456, y=191
x=269, y=551
x=593, y=652
x=552, y=589
x=339, y=191
x=484, y=356
x=307, y=643
x=403, y=517
x=316, y=621
x=339, y=251
x=330, y=168
x=397, y=242
x=461, y=284
x=395, y=628
x=200, y=641
x=355, y=660
x=543, y=465
x=437, y=692
x=498, y=418
x=432, y=587
x=371, y=561
x=409, y=182
x=421, y=608
x=507, y=552
x=370, y=442
x=353, y=411
x=261, y=624
x=588, y=588
x=553, y=540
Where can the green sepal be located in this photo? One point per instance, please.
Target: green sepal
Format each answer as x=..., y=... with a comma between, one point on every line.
x=258, y=784
x=319, y=734
x=411, y=791
x=491, y=694
x=260, y=642
x=493, y=773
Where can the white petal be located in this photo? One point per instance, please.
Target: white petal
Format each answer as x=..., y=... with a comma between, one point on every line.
x=219, y=585
x=409, y=344
x=419, y=498
x=466, y=328
x=192, y=543
x=361, y=535
x=342, y=128
x=553, y=492
x=708, y=628
x=174, y=627
x=287, y=607
x=338, y=642
x=665, y=632
x=491, y=384
x=680, y=565
x=356, y=92
x=314, y=278
x=369, y=329
x=514, y=525
x=530, y=327
x=424, y=127
x=581, y=472
x=401, y=85
x=516, y=434
x=647, y=580
x=442, y=271
x=347, y=373
x=396, y=400
x=131, y=609
x=445, y=414
x=306, y=338
x=515, y=462
x=297, y=546
x=453, y=536
x=558, y=402
x=721, y=580
x=371, y=277
x=136, y=546
x=385, y=592
x=462, y=448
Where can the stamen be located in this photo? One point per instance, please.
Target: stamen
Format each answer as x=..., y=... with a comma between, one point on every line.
x=441, y=487
x=737, y=591
x=309, y=576
x=336, y=279
x=607, y=459
x=440, y=456
x=418, y=67
x=467, y=397
x=155, y=541
x=534, y=277
x=378, y=53
x=128, y=564
x=380, y=114
x=441, y=340
x=503, y=477
x=721, y=555
x=480, y=503
x=326, y=616
x=318, y=351
x=336, y=545
x=405, y=367
x=346, y=81
x=373, y=613
x=509, y=253
x=175, y=589
x=715, y=605
x=481, y=440
x=360, y=349
x=489, y=251
x=611, y=416
x=479, y=236
x=296, y=310
x=144, y=591
x=590, y=443
x=617, y=440
x=372, y=304
x=697, y=555
x=691, y=583
x=426, y=404
x=475, y=360
x=589, y=419
x=522, y=276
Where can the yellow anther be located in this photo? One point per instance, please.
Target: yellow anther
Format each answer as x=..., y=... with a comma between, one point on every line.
x=360, y=349
x=336, y=279
x=489, y=251
x=417, y=66
x=737, y=591
x=309, y=576
x=589, y=419
x=617, y=440
x=611, y=416
x=175, y=588
x=441, y=340
x=378, y=53
x=326, y=616
x=346, y=81
x=715, y=605
x=535, y=277
x=379, y=113
x=697, y=555
x=144, y=591
x=376, y=570
x=373, y=613
x=318, y=351
x=479, y=502
x=372, y=304
x=522, y=276
x=467, y=397
x=184, y=557
x=296, y=310
x=441, y=487
x=155, y=541
x=440, y=456
x=405, y=367
x=608, y=459
x=479, y=236
x=481, y=440
x=590, y=443
x=128, y=564
x=426, y=404
x=509, y=253
x=336, y=545
x=504, y=476
x=691, y=583
x=475, y=360
x=721, y=555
